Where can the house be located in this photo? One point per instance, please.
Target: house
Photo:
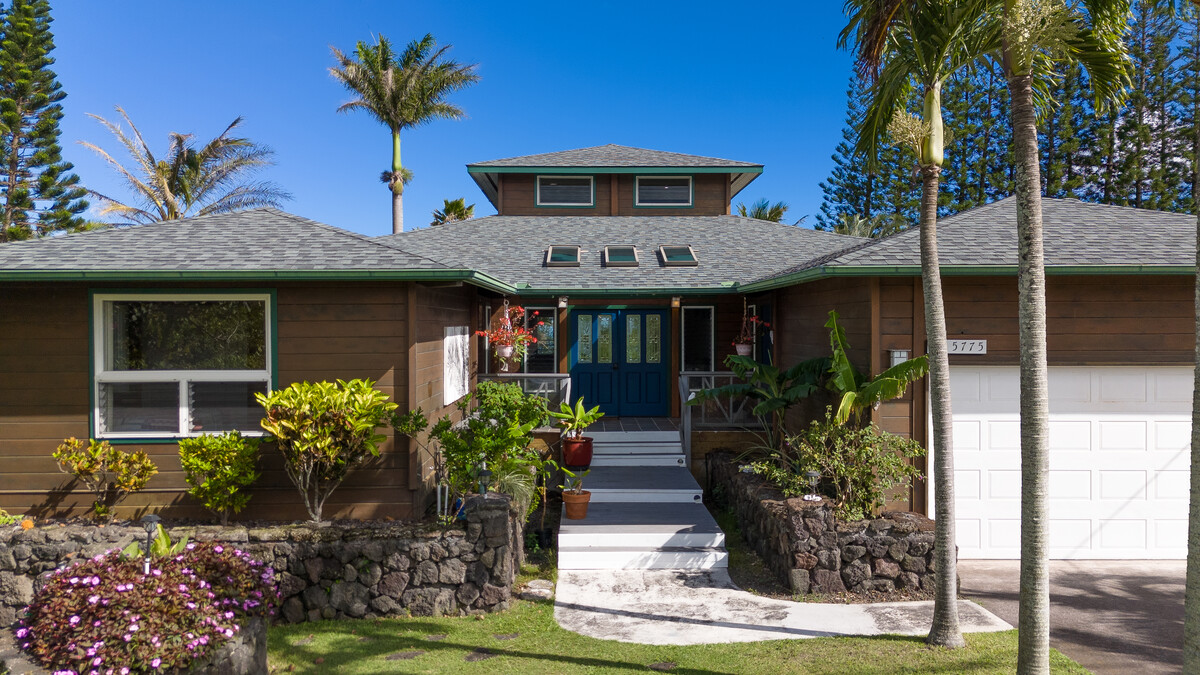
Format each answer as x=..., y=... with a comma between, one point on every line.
x=640, y=277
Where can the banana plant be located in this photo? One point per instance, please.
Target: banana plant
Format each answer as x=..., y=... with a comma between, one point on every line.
x=854, y=390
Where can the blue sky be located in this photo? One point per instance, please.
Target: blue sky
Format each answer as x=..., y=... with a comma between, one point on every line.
x=751, y=81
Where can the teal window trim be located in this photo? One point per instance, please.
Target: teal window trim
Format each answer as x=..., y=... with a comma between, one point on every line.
x=93, y=387
x=637, y=188
x=537, y=193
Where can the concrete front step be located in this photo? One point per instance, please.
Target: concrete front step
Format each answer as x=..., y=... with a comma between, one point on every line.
x=673, y=459
x=633, y=525
x=634, y=450
x=642, y=484
x=600, y=437
x=627, y=558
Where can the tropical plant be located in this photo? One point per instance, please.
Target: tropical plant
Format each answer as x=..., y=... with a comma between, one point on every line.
x=763, y=209
x=401, y=91
x=324, y=431
x=1191, y=602
x=575, y=419
x=855, y=391
x=7, y=518
x=110, y=474
x=573, y=482
x=858, y=465
x=218, y=468
x=39, y=193
x=188, y=180
x=875, y=227
x=160, y=547
x=453, y=210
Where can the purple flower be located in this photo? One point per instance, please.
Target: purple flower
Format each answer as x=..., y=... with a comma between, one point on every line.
x=133, y=628
x=156, y=663
x=219, y=549
x=93, y=600
x=97, y=661
x=74, y=580
x=74, y=620
x=22, y=632
x=127, y=637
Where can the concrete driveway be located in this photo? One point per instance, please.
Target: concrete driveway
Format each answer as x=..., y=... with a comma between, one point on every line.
x=1111, y=616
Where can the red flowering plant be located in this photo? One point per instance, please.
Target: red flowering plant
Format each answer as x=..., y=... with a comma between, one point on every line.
x=746, y=335
x=510, y=331
x=104, y=615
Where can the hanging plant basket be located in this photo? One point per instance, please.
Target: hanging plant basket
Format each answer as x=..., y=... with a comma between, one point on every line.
x=743, y=349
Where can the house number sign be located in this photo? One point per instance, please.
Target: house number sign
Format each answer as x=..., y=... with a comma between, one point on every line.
x=967, y=346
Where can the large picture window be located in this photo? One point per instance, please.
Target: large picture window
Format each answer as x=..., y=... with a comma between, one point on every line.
x=180, y=365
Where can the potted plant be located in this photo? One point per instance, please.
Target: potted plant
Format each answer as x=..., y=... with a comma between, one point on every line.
x=577, y=448
x=575, y=498
x=744, y=342
x=510, y=337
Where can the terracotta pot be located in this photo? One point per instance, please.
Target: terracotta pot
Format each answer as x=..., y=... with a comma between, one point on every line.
x=743, y=350
x=577, y=452
x=577, y=504
x=504, y=351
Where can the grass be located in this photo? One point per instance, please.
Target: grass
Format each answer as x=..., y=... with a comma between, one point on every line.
x=527, y=640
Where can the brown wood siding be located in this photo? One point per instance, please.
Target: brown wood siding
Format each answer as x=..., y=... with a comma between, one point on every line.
x=709, y=197
x=324, y=331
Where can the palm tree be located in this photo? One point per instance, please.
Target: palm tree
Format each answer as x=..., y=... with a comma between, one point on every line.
x=187, y=180
x=452, y=210
x=902, y=44
x=1037, y=40
x=874, y=227
x=763, y=210
x=402, y=91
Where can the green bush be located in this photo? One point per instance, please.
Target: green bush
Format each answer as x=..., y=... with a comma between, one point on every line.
x=217, y=468
x=498, y=401
x=325, y=430
x=7, y=518
x=858, y=465
x=111, y=474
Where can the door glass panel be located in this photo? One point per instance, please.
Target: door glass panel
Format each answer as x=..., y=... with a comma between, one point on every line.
x=633, y=338
x=604, y=339
x=585, y=338
x=653, y=338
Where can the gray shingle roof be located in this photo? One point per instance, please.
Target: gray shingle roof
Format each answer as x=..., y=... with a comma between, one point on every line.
x=1075, y=233
x=610, y=156
x=254, y=240
x=729, y=249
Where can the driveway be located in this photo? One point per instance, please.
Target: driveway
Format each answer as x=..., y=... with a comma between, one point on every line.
x=1111, y=616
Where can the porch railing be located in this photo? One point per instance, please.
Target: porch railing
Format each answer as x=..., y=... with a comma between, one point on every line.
x=554, y=387
x=732, y=413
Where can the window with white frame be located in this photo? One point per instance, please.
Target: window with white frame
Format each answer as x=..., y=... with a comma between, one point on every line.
x=180, y=365
x=696, y=341
x=565, y=191
x=663, y=191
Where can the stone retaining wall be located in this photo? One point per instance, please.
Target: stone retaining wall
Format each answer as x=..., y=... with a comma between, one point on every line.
x=812, y=551
x=325, y=572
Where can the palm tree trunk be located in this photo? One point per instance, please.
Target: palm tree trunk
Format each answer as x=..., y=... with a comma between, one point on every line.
x=945, y=630
x=1191, y=596
x=397, y=186
x=1033, y=624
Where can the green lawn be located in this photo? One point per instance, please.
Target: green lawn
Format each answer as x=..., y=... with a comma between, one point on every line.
x=526, y=640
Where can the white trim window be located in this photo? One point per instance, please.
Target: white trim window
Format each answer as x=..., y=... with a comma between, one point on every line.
x=565, y=191
x=179, y=365
x=663, y=191
x=698, y=349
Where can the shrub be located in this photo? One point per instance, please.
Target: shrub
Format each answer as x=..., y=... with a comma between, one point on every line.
x=858, y=466
x=325, y=430
x=111, y=474
x=7, y=518
x=217, y=468
x=104, y=613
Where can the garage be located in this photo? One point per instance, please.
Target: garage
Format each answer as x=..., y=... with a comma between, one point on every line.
x=1119, y=446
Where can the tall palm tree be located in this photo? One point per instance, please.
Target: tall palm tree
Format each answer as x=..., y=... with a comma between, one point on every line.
x=187, y=180
x=1037, y=40
x=401, y=91
x=901, y=45
x=452, y=210
x=763, y=210
x=1191, y=596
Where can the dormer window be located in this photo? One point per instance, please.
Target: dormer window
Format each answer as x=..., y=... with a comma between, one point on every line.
x=664, y=191
x=678, y=256
x=562, y=256
x=565, y=191
x=620, y=256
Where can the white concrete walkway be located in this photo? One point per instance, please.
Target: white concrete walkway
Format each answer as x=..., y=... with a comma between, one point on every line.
x=688, y=607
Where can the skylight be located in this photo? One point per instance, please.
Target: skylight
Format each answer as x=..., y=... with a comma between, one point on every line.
x=678, y=256
x=562, y=256
x=620, y=256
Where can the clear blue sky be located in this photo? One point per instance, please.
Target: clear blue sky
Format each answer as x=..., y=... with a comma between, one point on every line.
x=751, y=81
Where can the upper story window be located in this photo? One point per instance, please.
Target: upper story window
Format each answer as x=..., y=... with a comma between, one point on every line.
x=180, y=365
x=620, y=256
x=664, y=191
x=565, y=191
x=562, y=256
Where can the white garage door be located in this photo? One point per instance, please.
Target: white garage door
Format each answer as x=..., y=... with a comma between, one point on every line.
x=1119, y=445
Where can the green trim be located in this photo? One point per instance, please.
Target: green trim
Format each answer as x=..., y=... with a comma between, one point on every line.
x=628, y=292
x=614, y=169
x=477, y=278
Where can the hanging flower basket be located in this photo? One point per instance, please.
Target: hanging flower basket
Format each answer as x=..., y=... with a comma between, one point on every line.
x=510, y=337
x=744, y=342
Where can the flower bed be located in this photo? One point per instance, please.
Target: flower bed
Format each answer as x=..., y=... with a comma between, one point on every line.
x=811, y=550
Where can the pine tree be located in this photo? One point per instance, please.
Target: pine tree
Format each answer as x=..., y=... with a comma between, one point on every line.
x=978, y=160
x=40, y=194
x=1059, y=141
x=1189, y=107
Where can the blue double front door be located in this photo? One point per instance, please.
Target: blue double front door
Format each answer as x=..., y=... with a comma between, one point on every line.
x=620, y=359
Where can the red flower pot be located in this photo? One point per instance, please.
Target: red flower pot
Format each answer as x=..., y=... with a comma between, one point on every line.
x=577, y=452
